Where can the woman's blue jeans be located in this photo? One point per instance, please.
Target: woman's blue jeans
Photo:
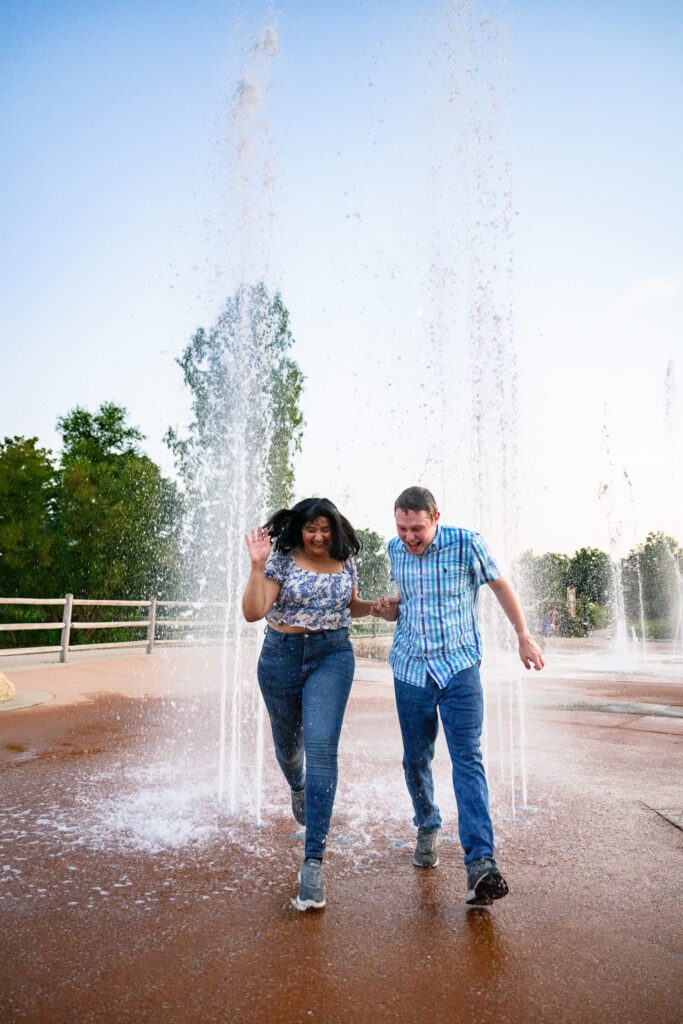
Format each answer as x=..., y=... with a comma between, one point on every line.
x=305, y=679
x=461, y=706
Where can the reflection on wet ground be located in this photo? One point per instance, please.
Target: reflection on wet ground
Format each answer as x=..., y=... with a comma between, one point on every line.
x=128, y=895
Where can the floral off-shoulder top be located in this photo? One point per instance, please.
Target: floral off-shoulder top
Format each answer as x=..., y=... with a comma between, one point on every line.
x=312, y=600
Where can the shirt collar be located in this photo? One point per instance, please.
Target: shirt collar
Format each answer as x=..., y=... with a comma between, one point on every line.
x=438, y=540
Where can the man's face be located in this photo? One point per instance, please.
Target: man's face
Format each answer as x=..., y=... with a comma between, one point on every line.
x=415, y=529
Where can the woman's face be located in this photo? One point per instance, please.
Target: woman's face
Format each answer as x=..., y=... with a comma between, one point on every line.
x=317, y=537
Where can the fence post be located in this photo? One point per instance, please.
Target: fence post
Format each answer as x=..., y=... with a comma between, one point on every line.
x=66, y=628
x=151, y=625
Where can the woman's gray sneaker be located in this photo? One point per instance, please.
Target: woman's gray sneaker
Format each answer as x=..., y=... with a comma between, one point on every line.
x=311, y=893
x=484, y=883
x=299, y=805
x=426, y=855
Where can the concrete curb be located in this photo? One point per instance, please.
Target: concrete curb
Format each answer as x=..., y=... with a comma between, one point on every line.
x=26, y=699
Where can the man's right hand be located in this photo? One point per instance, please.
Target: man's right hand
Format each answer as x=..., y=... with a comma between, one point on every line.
x=386, y=608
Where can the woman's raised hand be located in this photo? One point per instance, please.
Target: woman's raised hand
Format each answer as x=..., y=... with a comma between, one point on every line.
x=258, y=545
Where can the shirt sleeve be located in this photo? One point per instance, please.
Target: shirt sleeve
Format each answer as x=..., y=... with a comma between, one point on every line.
x=351, y=566
x=484, y=567
x=390, y=550
x=276, y=567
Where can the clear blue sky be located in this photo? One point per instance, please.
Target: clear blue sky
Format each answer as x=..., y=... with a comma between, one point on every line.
x=119, y=236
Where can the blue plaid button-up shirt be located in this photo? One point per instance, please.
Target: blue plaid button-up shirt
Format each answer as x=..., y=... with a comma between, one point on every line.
x=437, y=632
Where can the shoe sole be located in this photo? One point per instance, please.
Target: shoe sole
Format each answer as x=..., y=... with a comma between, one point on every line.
x=419, y=865
x=474, y=899
x=307, y=904
x=486, y=891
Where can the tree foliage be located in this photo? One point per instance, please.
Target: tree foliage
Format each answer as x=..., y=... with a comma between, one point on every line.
x=544, y=576
x=653, y=571
x=117, y=519
x=212, y=366
x=651, y=581
x=97, y=436
x=545, y=581
x=372, y=563
x=236, y=459
x=101, y=522
x=28, y=490
x=590, y=572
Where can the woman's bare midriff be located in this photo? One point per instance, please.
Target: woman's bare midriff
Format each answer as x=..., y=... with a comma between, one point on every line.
x=282, y=627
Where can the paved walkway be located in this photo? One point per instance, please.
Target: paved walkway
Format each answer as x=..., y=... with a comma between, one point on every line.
x=126, y=897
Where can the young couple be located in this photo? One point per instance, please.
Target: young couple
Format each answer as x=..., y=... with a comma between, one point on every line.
x=303, y=580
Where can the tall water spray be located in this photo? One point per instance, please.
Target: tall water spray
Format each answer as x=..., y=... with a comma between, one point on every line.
x=229, y=460
x=234, y=372
x=669, y=405
x=639, y=575
x=469, y=323
x=611, y=494
x=250, y=367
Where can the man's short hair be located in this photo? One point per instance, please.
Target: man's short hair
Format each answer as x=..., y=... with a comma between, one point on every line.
x=417, y=499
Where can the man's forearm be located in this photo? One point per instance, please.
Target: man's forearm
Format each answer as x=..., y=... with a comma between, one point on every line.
x=529, y=651
x=509, y=602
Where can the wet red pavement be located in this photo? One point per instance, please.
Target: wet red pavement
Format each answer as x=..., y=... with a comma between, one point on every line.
x=97, y=932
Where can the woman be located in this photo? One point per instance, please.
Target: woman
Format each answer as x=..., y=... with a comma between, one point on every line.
x=307, y=590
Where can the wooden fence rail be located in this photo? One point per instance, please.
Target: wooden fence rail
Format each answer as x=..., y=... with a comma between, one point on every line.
x=151, y=624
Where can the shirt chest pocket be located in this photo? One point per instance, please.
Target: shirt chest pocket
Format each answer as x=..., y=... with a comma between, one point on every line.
x=454, y=580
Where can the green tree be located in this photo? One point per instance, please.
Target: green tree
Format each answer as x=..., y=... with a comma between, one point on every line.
x=28, y=482
x=590, y=572
x=97, y=436
x=286, y=387
x=102, y=523
x=236, y=459
x=118, y=519
x=653, y=570
x=373, y=565
x=544, y=581
x=213, y=366
x=543, y=577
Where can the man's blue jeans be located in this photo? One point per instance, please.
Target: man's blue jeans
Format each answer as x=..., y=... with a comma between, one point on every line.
x=461, y=706
x=305, y=679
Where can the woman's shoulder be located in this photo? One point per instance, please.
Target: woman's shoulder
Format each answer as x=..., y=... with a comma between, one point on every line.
x=350, y=567
x=279, y=564
x=282, y=557
x=276, y=553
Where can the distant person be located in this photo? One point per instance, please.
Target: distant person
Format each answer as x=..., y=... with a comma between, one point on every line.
x=306, y=588
x=435, y=657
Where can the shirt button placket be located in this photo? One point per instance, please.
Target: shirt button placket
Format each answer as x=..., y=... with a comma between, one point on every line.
x=422, y=612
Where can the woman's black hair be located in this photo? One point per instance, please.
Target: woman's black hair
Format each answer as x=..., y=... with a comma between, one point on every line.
x=285, y=527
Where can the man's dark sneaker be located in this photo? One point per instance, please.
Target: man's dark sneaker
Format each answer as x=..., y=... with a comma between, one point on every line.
x=484, y=883
x=426, y=855
x=299, y=805
x=311, y=893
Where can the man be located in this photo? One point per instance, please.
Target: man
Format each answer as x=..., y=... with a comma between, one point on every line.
x=435, y=657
